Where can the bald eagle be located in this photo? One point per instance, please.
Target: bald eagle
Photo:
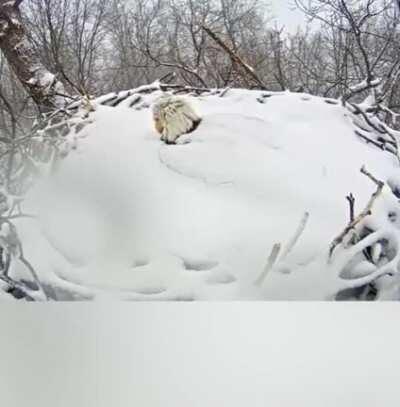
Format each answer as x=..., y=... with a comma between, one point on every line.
x=174, y=116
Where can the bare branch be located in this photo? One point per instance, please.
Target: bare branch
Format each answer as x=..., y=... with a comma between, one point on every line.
x=235, y=58
x=366, y=212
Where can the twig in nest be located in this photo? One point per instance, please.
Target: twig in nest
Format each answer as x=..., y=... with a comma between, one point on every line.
x=271, y=261
x=351, y=200
x=273, y=257
x=224, y=92
x=29, y=266
x=376, y=181
x=7, y=264
x=13, y=249
x=296, y=237
x=366, y=212
x=5, y=261
x=13, y=285
x=369, y=140
x=379, y=128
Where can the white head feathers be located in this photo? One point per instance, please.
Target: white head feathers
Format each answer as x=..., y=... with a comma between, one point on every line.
x=174, y=116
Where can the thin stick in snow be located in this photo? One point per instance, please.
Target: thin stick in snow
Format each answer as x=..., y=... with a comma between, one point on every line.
x=224, y=92
x=271, y=262
x=295, y=238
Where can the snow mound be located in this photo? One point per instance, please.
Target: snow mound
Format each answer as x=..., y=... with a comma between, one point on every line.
x=126, y=216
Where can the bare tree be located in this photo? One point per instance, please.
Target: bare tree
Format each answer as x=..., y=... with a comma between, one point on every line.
x=359, y=38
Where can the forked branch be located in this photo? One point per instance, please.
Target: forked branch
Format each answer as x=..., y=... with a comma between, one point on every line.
x=366, y=212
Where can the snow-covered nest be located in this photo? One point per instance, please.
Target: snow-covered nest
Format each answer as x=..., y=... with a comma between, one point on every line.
x=126, y=216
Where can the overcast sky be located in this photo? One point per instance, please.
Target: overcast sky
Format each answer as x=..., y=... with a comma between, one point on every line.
x=286, y=14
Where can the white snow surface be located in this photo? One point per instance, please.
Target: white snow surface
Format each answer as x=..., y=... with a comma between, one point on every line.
x=126, y=216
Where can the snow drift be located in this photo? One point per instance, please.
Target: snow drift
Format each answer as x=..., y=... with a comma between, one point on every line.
x=125, y=216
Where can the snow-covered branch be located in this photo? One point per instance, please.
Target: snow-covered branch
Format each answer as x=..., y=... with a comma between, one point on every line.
x=40, y=84
x=350, y=228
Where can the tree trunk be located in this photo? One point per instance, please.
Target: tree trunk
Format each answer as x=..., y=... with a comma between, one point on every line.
x=41, y=84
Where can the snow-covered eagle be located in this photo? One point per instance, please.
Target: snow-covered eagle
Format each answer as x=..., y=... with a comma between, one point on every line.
x=174, y=116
